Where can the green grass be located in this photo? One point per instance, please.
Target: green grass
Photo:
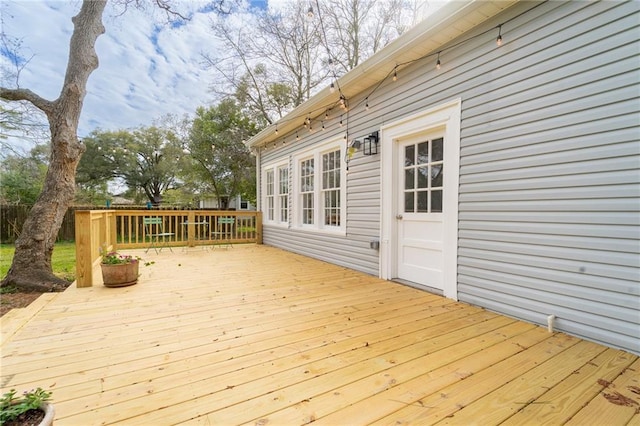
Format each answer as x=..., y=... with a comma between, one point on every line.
x=63, y=260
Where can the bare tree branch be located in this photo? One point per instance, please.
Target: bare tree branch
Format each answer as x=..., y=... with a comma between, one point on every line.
x=27, y=95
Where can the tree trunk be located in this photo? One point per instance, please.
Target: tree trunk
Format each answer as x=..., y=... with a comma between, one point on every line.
x=31, y=267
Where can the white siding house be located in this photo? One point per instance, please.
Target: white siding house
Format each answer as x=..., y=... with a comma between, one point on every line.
x=507, y=177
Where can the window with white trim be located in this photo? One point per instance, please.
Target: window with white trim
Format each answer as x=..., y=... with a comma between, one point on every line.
x=307, y=178
x=318, y=193
x=270, y=204
x=283, y=193
x=331, y=187
x=275, y=193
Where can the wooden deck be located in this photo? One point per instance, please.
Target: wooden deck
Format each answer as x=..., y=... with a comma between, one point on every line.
x=255, y=335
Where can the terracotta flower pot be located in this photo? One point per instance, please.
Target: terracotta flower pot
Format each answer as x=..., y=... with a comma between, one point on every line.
x=120, y=275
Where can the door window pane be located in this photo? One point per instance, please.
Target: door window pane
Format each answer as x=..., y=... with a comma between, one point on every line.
x=436, y=201
x=423, y=201
x=436, y=175
x=423, y=172
x=409, y=155
x=408, y=202
x=423, y=153
x=409, y=179
x=437, y=149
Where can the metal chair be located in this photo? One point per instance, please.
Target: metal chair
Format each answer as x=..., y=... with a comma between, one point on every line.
x=154, y=229
x=224, y=231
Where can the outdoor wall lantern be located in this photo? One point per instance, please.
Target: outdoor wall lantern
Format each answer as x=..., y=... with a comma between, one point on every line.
x=370, y=144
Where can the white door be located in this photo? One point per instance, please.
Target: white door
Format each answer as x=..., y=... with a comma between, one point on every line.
x=419, y=207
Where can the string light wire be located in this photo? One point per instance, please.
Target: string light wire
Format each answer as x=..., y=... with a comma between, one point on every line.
x=343, y=100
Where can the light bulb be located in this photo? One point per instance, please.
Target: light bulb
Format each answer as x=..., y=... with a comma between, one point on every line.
x=395, y=75
x=332, y=88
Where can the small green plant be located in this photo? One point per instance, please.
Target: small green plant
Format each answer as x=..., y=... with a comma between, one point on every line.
x=11, y=407
x=115, y=258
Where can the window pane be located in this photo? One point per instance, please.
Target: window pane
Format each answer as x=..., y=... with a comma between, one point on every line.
x=436, y=201
x=283, y=180
x=436, y=150
x=409, y=178
x=422, y=177
x=284, y=209
x=408, y=202
x=409, y=155
x=422, y=201
x=436, y=175
x=423, y=153
x=331, y=188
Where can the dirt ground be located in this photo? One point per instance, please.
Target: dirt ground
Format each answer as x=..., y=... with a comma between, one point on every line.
x=16, y=300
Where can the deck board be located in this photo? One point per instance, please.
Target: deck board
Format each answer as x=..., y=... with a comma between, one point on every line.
x=256, y=335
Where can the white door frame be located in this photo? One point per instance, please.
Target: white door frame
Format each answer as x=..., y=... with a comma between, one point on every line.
x=446, y=115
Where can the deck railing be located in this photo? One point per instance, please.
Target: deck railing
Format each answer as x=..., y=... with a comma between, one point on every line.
x=123, y=229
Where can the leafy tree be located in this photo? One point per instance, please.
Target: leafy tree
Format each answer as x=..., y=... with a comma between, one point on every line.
x=22, y=177
x=222, y=161
x=148, y=159
x=31, y=266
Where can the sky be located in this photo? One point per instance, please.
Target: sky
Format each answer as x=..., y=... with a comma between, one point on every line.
x=147, y=67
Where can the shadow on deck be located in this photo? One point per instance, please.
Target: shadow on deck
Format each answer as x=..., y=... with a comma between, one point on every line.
x=257, y=335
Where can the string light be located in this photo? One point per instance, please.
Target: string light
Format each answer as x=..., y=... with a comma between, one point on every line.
x=343, y=102
x=310, y=12
x=284, y=141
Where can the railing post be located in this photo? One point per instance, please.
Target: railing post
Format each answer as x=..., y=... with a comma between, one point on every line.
x=191, y=228
x=258, y=227
x=84, y=262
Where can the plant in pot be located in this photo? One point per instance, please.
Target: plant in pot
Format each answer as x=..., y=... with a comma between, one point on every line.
x=120, y=270
x=31, y=408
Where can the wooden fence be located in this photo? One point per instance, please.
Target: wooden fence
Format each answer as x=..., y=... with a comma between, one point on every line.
x=122, y=229
x=12, y=218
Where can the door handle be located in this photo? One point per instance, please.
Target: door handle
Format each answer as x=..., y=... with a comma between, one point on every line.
x=399, y=216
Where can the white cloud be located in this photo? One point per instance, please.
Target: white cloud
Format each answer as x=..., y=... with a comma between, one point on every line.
x=147, y=69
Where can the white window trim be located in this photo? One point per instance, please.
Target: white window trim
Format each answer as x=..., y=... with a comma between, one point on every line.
x=274, y=166
x=295, y=206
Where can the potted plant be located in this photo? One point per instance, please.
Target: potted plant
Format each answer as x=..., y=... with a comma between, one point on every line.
x=31, y=408
x=119, y=270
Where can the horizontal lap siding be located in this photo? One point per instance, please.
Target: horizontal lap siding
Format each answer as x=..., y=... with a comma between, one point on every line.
x=549, y=181
x=549, y=218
